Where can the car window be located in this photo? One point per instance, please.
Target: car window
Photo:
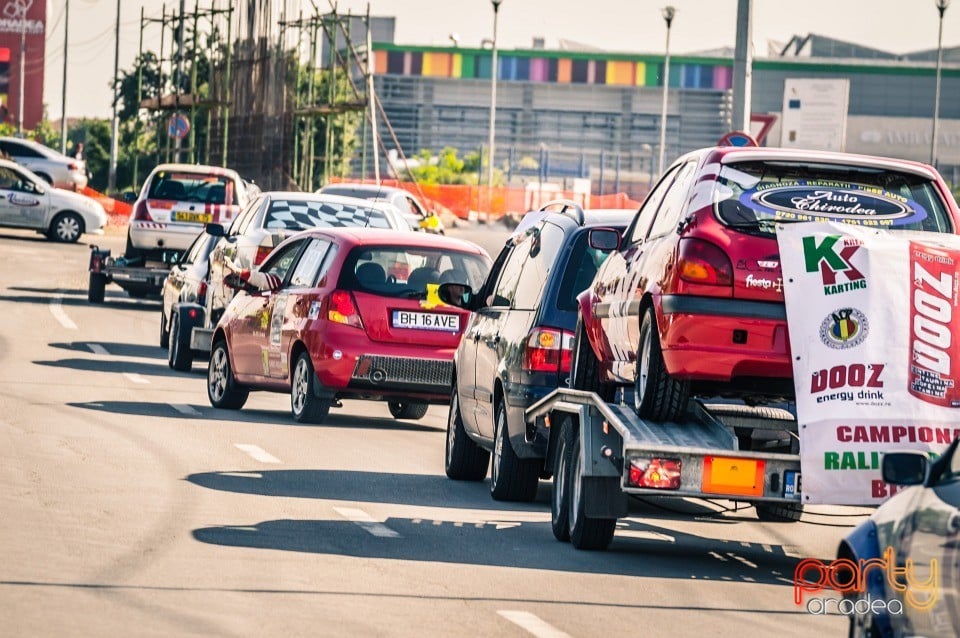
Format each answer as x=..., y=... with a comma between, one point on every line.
x=506, y=289
x=280, y=261
x=11, y=179
x=545, y=247
x=674, y=201
x=19, y=150
x=192, y=187
x=641, y=222
x=299, y=214
x=413, y=205
x=751, y=193
x=196, y=250
x=581, y=268
x=245, y=215
x=314, y=256
x=409, y=272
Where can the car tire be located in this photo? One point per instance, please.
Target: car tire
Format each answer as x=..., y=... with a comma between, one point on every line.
x=657, y=395
x=585, y=532
x=164, y=331
x=66, y=228
x=779, y=512
x=179, y=354
x=222, y=389
x=560, y=497
x=413, y=410
x=96, y=287
x=464, y=460
x=511, y=477
x=305, y=405
x=585, y=371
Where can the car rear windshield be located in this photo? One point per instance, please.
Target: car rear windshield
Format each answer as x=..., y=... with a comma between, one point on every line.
x=192, y=187
x=413, y=273
x=581, y=268
x=300, y=214
x=753, y=194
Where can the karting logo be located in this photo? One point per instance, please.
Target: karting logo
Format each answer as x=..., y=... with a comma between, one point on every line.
x=833, y=260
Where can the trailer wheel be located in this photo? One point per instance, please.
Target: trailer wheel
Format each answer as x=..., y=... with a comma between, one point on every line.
x=585, y=373
x=179, y=354
x=164, y=331
x=413, y=410
x=511, y=478
x=222, y=388
x=464, y=459
x=658, y=396
x=585, y=532
x=96, y=287
x=305, y=405
x=779, y=512
x=560, y=499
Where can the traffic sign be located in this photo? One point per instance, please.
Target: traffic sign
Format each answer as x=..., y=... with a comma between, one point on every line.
x=737, y=138
x=178, y=126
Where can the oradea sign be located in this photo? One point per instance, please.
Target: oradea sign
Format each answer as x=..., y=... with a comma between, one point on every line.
x=14, y=18
x=873, y=322
x=823, y=200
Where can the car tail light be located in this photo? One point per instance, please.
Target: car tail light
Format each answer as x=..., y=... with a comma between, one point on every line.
x=262, y=252
x=141, y=212
x=657, y=473
x=548, y=350
x=72, y=167
x=341, y=308
x=202, y=293
x=701, y=262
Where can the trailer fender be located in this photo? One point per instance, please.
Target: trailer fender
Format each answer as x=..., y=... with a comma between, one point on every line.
x=98, y=259
x=190, y=315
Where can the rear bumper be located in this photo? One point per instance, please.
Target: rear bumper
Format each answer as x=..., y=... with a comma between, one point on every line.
x=152, y=235
x=712, y=339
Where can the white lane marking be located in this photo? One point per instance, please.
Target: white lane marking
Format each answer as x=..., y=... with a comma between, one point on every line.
x=57, y=311
x=135, y=378
x=366, y=521
x=96, y=348
x=258, y=453
x=532, y=624
x=183, y=408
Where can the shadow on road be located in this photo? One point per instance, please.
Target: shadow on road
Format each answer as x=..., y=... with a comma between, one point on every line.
x=253, y=416
x=112, y=365
x=115, y=348
x=638, y=549
x=118, y=301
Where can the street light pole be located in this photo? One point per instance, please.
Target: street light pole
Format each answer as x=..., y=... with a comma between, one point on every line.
x=115, y=124
x=63, y=98
x=493, y=99
x=668, y=13
x=23, y=69
x=941, y=8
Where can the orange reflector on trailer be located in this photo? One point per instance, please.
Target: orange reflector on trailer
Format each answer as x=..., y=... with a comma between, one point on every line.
x=724, y=475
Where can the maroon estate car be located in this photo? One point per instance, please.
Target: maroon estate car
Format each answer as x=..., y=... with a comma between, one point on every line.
x=356, y=315
x=692, y=302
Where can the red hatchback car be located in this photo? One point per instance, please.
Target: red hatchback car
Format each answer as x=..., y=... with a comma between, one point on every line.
x=692, y=302
x=356, y=315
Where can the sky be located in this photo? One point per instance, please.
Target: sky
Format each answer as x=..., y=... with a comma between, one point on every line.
x=898, y=26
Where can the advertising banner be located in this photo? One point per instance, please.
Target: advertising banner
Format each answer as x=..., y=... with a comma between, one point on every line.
x=873, y=325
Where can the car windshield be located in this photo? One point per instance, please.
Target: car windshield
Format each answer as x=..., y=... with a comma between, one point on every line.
x=412, y=273
x=754, y=195
x=581, y=268
x=300, y=214
x=192, y=187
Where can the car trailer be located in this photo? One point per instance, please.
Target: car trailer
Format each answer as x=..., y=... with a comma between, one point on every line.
x=132, y=275
x=601, y=453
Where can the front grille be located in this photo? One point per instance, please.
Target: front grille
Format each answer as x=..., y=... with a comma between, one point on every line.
x=391, y=372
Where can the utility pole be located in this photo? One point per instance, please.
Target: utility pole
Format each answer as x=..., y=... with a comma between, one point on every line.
x=23, y=68
x=372, y=101
x=743, y=67
x=115, y=128
x=63, y=100
x=179, y=81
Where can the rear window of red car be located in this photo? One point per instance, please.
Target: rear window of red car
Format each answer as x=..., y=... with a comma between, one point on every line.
x=193, y=187
x=407, y=272
x=755, y=194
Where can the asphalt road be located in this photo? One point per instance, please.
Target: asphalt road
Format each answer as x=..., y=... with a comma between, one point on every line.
x=131, y=507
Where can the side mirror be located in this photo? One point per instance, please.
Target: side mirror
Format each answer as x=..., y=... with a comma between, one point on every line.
x=459, y=295
x=129, y=197
x=905, y=468
x=604, y=239
x=215, y=230
x=38, y=189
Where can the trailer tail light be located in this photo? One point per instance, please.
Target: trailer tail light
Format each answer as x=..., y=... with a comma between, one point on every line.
x=657, y=473
x=202, y=293
x=548, y=350
x=262, y=252
x=141, y=212
x=341, y=308
x=96, y=262
x=700, y=262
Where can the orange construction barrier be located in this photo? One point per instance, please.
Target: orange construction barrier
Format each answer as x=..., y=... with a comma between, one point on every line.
x=117, y=211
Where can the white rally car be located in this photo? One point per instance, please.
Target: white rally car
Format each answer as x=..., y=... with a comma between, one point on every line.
x=27, y=201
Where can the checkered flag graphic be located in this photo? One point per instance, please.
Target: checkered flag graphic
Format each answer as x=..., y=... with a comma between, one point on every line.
x=300, y=215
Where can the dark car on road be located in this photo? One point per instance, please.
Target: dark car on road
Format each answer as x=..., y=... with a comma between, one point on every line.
x=517, y=346
x=692, y=302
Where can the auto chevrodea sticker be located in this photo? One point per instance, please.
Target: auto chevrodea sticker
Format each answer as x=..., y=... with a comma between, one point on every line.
x=824, y=200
